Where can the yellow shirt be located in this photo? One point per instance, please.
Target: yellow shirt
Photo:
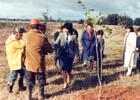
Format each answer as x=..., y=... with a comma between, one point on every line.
x=14, y=50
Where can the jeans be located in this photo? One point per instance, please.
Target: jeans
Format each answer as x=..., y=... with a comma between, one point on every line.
x=13, y=76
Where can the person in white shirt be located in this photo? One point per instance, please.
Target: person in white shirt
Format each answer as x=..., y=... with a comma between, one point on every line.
x=130, y=55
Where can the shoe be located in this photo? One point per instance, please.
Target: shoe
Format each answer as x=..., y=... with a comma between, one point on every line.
x=65, y=90
x=10, y=88
x=65, y=86
x=129, y=72
x=85, y=63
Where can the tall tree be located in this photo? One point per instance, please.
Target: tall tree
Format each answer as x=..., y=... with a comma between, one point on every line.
x=113, y=19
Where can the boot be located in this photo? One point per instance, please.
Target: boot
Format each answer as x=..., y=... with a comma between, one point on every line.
x=41, y=92
x=30, y=88
x=21, y=86
x=10, y=88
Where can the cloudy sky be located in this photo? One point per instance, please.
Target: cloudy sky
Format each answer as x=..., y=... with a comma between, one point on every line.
x=66, y=9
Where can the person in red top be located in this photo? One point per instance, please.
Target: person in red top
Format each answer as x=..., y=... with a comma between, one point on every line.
x=88, y=41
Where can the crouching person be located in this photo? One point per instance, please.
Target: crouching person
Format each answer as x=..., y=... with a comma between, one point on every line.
x=14, y=48
x=36, y=47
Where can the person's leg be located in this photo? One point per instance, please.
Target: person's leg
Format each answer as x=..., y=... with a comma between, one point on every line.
x=11, y=81
x=85, y=58
x=69, y=69
x=41, y=77
x=30, y=77
x=65, y=76
x=68, y=77
x=20, y=82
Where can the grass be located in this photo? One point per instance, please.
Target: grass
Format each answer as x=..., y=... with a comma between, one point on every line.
x=83, y=79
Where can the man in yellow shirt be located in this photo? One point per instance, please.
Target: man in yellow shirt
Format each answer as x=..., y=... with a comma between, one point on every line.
x=14, y=49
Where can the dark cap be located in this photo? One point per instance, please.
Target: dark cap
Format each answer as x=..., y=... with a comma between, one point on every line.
x=68, y=24
x=19, y=30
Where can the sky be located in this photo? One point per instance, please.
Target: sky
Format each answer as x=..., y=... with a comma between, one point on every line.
x=66, y=9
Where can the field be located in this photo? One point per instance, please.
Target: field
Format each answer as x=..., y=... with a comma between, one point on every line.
x=84, y=84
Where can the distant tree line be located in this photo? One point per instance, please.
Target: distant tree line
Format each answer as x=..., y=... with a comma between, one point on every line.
x=111, y=19
x=116, y=19
x=13, y=19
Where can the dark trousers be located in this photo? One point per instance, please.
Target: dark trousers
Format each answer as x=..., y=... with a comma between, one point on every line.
x=31, y=77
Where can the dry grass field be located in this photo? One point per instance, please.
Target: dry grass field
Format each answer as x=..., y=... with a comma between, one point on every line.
x=84, y=84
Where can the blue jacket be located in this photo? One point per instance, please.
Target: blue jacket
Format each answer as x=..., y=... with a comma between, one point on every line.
x=89, y=46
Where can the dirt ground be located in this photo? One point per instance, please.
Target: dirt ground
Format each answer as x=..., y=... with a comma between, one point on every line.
x=117, y=92
x=84, y=84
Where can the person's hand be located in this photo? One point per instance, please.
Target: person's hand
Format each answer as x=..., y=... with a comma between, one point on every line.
x=137, y=49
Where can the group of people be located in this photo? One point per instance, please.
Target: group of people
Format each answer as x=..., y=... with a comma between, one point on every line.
x=67, y=48
x=131, y=49
x=26, y=53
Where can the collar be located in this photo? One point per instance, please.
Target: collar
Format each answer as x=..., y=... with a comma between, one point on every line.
x=35, y=30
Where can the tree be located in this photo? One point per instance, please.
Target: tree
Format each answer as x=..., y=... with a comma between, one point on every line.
x=113, y=19
x=125, y=20
x=137, y=21
x=45, y=16
x=102, y=21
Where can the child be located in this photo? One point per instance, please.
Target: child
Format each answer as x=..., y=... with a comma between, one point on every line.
x=14, y=48
x=100, y=41
x=99, y=55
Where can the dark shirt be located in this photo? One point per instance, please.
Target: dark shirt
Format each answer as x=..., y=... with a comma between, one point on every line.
x=101, y=45
x=138, y=42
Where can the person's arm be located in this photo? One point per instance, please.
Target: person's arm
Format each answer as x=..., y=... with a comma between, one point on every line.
x=57, y=42
x=19, y=45
x=58, y=38
x=103, y=44
x=132, y=41
x=47, y=46
x=56, y=35
x=83, y=40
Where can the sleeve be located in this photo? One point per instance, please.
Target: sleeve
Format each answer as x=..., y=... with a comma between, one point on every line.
x=47, y=47
x=132, y=41
x=82, y=39
x=22, y=43
x=58, y=40
x=55, y=35
x=19, y=45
